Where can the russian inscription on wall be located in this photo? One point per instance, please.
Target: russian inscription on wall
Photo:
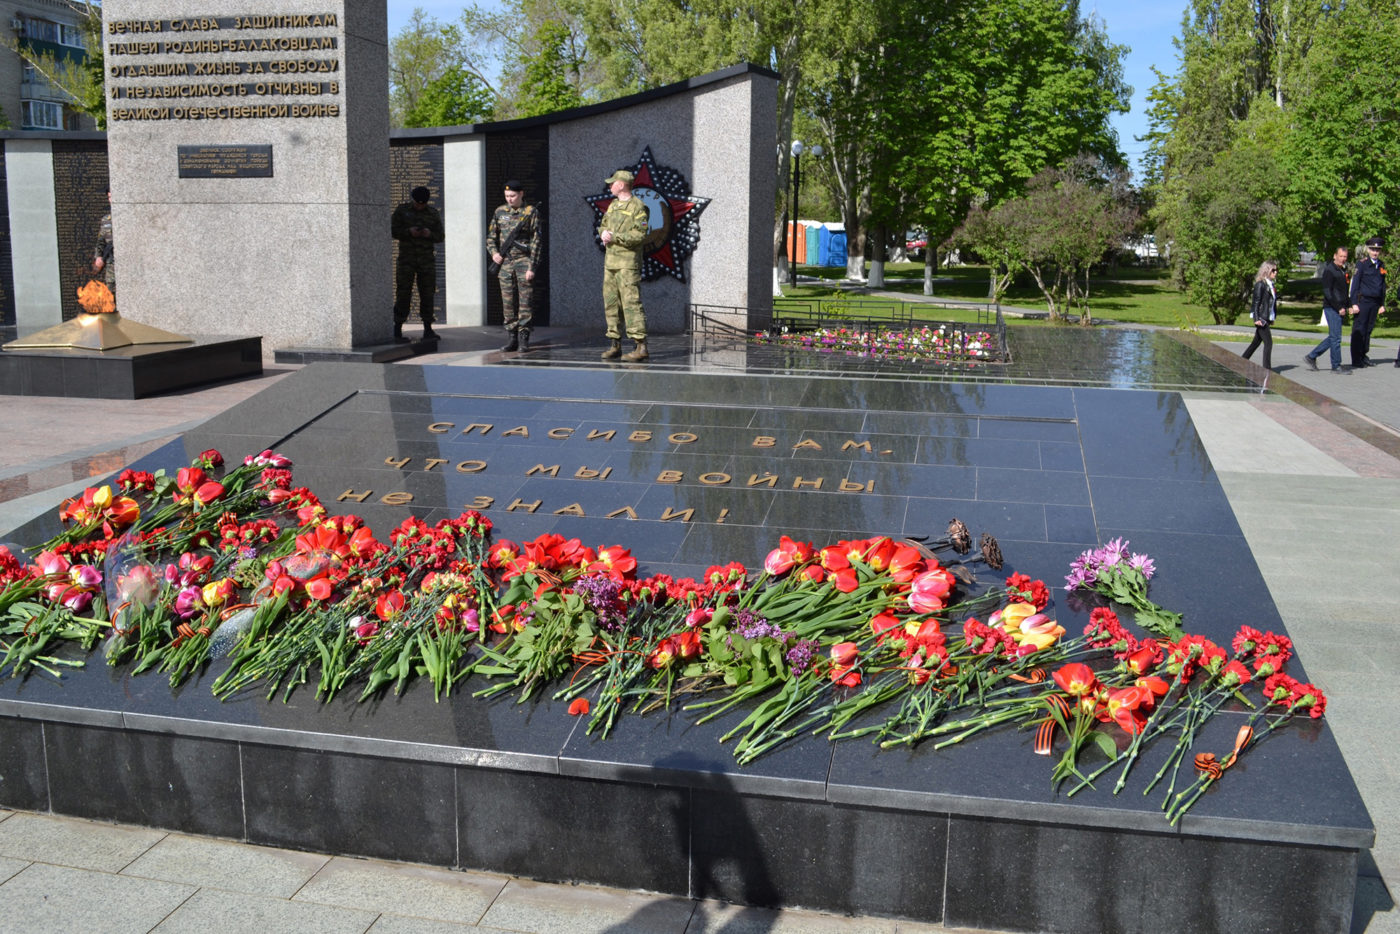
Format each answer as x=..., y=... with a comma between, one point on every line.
x=412, y=163
x=7, y=268
x=224, y=68
x=80, y=199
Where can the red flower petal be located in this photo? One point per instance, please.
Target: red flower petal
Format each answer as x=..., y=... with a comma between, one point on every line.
x=579, y=707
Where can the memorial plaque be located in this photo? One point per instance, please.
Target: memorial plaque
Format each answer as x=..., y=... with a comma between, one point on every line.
x=412, y=163
x=251, y=161
x=80, y=201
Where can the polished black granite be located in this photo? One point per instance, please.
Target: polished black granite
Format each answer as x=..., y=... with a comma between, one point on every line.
x=1050, y=470
x=1113, y=357
x=130, y=372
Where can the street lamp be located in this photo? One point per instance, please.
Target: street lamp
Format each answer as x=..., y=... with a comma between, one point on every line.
x=797, y=150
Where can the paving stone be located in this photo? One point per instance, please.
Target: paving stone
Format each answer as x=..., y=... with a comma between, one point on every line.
x=558, y=909
x=403, y=889
x=398, y=924
x=8, y=867
x=259, y=870
x=77, y=843
x=212, y=911
x=712, y=917
x=57, y=898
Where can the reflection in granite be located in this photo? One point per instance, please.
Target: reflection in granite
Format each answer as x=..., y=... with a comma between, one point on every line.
x=1116, y=358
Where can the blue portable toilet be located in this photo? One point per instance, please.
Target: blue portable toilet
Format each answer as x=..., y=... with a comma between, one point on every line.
x=834, y=245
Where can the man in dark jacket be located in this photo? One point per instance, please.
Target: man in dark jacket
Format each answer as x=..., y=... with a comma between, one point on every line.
x=1367, y=301
x=1336, y=303
x=417, y=226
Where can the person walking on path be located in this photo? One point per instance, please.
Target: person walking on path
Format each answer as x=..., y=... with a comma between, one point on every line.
x=515, y=239
x=1367, y=301
x=624, y=232
x=1261, y=310
x=1336, y=303
x=417, y=226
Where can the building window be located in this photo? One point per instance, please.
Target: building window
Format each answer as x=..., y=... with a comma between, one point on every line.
x=41, y=115
x=41, y=30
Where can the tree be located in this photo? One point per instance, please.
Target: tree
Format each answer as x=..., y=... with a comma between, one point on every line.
x=1341, y=154
x=1232, y=218
x=1066, y=221
x=422, y=55
x=999, y=92
x=453, y=98
x=80, y=79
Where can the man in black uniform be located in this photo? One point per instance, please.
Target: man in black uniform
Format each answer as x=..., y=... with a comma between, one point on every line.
x=1367, y=301
x=418, y=228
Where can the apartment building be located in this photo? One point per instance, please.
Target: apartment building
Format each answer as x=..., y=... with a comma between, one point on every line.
x=29, y=100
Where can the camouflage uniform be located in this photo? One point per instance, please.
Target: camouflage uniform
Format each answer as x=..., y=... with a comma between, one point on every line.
x=524, y=256
x=417, y=260
x=622, y=268
x=104, y=252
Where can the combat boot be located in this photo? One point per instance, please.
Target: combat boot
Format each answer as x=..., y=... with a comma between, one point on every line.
x=638, y=354
x=512, y=345
x=524, y=341
x=428, y=332
x=398, y=333
x=614, y=350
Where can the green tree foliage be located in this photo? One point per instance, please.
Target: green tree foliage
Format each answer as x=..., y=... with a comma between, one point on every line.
x=1275, y=131
x=453, y=98
x=544, y=77
x=985, y=98
x=540, y=49
x=1233, y=218
x=1067, y=220
x=82, y=82
x=1341, y=151
x=424, y=54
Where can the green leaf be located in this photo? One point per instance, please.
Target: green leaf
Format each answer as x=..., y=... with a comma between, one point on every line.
x=1105, y=743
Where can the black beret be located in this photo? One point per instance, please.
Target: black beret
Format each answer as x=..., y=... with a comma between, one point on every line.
x=513, y=184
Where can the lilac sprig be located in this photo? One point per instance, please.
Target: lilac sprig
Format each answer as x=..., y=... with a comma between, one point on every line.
x=603, y=596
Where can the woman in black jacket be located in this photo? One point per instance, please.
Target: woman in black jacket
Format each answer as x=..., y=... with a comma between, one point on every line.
x=1261, y=310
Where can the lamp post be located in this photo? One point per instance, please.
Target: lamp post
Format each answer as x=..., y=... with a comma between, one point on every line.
x=797, y=150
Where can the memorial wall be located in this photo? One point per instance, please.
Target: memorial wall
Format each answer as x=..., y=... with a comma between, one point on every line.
x=239, y=204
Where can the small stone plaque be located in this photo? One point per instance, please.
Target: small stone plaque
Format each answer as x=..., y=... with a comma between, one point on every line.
x=247, y=161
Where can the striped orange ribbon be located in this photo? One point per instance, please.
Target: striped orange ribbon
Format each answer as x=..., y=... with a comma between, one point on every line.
x=1207, y=764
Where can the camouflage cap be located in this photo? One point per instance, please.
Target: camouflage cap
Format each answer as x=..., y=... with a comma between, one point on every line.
x=621, y=175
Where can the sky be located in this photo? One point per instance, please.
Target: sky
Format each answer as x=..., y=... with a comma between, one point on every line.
x=1146, y=26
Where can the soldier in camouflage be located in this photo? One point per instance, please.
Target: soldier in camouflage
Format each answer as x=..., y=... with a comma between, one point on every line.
x=103, y=258
x=515, y=239
x=624, y=232
x=418, y=228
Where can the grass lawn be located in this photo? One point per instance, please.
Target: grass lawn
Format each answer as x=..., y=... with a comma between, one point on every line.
x=1130, y=295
